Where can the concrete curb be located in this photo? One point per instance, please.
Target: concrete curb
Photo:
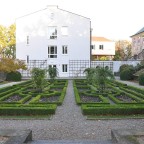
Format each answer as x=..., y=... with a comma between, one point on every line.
x=16, y=136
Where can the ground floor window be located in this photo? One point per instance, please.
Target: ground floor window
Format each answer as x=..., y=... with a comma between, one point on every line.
x=64, y=68
x=52, y=66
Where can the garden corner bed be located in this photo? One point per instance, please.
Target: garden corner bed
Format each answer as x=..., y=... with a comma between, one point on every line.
x=22, y=100
x=118, y=99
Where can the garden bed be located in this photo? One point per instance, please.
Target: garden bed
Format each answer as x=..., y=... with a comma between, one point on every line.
x=117, y=99
x=23, y=99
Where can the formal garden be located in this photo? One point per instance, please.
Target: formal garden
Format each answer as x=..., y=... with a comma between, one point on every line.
x=99, y=94
x=37, y=96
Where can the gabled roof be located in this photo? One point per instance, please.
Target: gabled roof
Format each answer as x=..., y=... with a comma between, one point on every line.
x=99, y=39
x=47, y=8
x=140, y=31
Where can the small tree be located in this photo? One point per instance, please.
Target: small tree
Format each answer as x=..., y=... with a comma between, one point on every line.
x=38, y=78
x=102, y=75
x=99, y=76
x=53, y=73
x=90, y=72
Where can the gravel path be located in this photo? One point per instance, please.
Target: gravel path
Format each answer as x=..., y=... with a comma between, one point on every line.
x=69, y=124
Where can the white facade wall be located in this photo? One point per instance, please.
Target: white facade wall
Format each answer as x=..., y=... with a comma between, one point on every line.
x=113, y=65
x=117, y=64
x=36, y=26
x=108, y=48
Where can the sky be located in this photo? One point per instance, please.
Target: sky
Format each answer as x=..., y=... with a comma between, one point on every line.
x=112, y=19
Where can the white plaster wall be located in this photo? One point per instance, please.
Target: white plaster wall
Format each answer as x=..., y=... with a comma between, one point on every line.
x=117, y=64
x=109, y=48
x=35, y=25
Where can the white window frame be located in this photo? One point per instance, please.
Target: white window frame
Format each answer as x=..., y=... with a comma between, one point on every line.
x=64, y=30
x=64, y=49
x=52, y=32
x=64, y=68
x=52, y=53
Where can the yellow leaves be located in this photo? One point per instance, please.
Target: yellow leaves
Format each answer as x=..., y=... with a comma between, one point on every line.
x=11, y=65
x=7, y=40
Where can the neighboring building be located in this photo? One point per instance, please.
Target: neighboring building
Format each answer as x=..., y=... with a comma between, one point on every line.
x=54, y=37
x=138, y=45
x=102, y=47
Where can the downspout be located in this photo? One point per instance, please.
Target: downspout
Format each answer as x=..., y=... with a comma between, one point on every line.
x=90, y=44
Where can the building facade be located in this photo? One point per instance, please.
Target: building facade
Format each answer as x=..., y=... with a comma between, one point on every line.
x=54, y=37
x=102, y=47
x=138, y=45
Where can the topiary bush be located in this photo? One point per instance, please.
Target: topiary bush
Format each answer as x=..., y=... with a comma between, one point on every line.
x=14, y=76
x=126, y=74
x=141, y=79
x=126, y=66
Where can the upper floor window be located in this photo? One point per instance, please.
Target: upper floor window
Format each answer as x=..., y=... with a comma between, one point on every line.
x=52, y=51
x=52, y=32
x=64, y=49
x=27, y=40
x=92, y=46
x=64, y=30
x=101, y=47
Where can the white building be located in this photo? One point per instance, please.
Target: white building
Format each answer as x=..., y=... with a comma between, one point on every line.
x=54, y=37
x=102, y=47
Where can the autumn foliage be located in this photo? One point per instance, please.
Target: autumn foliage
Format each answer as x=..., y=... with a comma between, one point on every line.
x=11, y=65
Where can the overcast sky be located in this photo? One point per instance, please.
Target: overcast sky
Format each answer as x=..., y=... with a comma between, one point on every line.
x=113, y=19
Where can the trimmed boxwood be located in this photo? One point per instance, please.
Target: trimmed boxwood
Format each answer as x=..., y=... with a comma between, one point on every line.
x=126, y=74
x=28, y=110
x=34, y=107
x=141, y=79
x=112, y=110
x=14, y=76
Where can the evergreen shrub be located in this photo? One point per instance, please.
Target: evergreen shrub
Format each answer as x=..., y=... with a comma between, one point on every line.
x=14, y=76
x=126, y=74
x=141, y=79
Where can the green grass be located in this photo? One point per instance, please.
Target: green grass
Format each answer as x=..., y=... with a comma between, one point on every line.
x=38, y=117
x=94, y=117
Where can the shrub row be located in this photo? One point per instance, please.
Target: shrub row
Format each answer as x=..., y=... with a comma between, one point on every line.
x=133, y=92
x=61, y=94
x=28, y=110
x=112, y=110
x=78, y=99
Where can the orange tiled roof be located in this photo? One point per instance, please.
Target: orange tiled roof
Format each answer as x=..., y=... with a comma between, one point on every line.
x=100, y=39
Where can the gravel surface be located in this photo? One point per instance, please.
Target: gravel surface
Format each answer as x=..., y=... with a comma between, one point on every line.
x=69, y=124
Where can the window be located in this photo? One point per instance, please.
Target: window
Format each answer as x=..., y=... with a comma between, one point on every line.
x=92, y=46
x=64, y=68
x=64, y=49
x=52, y=66
x=52, y=32
x=64, y=30
x=52, y=51
x=27, y=40
x=101, y=47
x=27, y=58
